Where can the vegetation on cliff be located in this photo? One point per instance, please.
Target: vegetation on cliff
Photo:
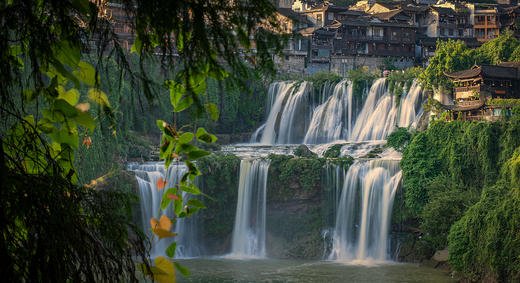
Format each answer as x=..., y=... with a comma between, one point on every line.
x=461, y=179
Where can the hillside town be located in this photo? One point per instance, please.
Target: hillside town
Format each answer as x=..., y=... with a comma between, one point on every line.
x=379, y=34
x=376, y=34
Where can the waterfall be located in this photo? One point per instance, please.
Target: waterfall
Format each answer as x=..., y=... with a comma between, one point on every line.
x=364, y=211
x=336, y=116
x=282, y=125
x=147, y=174
x=380, y=114
x=249, y=230
x=410, y=104
x=377, y=117
x=333, y=118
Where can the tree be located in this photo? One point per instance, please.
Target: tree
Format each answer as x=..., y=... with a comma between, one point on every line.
x=54, y=229
x=450, y=56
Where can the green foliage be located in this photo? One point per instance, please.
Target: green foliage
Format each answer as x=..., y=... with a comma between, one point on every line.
x=399, y=82
x=399, y=139
x=221, y=172
x=500, y=49
x=450, y=56
x=319, y=79
x=240, y=106
x=374, y=153
x=287, y=174
x=361, y=78
x=484, y=243
x=503, y=102
x=448, y=201
x=333, y=151
x=303, y=151
x=461, y=178
x=342, y=161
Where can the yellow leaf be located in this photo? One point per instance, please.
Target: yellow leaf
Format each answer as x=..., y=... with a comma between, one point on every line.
x=162, y=227
x=99, y=97
x=163, y=271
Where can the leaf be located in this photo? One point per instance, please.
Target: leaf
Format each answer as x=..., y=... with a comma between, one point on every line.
x=99, y=97
x=184, y=147
x=162, y=272
x=138, y=45
x=183, y=270
x=67, y=53
x=186, y=138
x=88, y=141
x=197, y=154
x=46, y=126
x=212, y=111
x=190, y=189
x=84, y=119
x=161, y=183
x=63, y=136
x=86, y=73
x=161, y=124
x=71, y=96
x=170, y=250
x=162, y=227
x=65, y=108
x=165, y=202
x=183, y=104
x=173, y=197
x=166, y=149
x=196, y=203
x=176, y=92
x=204, y=136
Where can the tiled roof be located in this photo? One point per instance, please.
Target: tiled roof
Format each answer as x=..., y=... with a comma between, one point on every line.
x=505, y=72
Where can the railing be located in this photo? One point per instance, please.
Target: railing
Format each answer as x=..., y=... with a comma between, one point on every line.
x=469, y=103
x=467, y=88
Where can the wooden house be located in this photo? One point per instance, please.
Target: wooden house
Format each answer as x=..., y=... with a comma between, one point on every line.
x=482, y=92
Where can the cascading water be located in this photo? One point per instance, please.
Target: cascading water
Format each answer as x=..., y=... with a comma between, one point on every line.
x=281, y=126
x=147, y=174
x=364, y=211
x=332, y=119
x=249, y=230
x=411, y=106
x=292, y=119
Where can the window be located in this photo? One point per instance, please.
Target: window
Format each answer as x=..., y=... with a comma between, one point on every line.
x=394, y=35
x=461, y=33
x=319, y=20
x=451, y=32
x=441, y=32
x=331, y=16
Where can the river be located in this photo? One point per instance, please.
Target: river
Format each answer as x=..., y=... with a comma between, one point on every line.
x=279, y=270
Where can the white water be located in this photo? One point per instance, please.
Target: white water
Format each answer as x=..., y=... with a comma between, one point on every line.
x=336, y=117
x=150, y=198
x=285, y=123
x=332, y=119
x=364, y=211
x=249, y=231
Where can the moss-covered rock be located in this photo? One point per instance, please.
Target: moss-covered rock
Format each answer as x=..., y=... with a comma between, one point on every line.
x=303, y=151
x=333, y=151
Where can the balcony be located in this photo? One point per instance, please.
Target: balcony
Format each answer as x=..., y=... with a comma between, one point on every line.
x=469, y=103
x=468, y=88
